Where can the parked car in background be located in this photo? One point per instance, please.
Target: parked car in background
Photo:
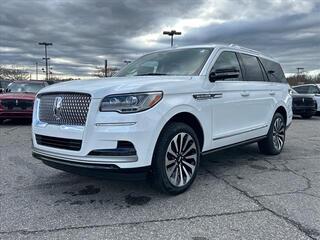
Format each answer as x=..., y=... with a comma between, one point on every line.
x=162, y=112
x=18, y=98
x=304, y=105
x=310, y=89
x=3, y=85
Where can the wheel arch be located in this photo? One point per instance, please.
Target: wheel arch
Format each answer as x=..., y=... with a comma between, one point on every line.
x=189, y=119
x=283, y=112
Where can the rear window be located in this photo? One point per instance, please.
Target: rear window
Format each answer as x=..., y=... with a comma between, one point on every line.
x=253, y=71
x=274, y=71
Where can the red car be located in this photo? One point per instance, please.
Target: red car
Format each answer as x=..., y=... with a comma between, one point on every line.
x=17, y=100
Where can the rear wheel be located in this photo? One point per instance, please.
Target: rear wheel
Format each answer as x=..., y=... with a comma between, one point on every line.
x=176, y=158
x=274, y=141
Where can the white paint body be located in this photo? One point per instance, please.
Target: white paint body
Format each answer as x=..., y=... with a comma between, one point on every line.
x=233, y=118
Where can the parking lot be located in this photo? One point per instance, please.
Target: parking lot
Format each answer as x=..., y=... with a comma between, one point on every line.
x=239, y=194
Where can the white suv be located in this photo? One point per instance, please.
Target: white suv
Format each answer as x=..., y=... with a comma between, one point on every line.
x=162, y=112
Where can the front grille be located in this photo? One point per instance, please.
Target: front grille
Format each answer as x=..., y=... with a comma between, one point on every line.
x=302, y=101
x=72, y=110
x=17, y=104
x=63, y=143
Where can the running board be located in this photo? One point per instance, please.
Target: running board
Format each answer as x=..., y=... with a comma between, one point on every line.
x=252, y=140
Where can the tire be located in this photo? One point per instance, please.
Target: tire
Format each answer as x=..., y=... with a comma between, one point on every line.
x=306, y=116
x=175, y=166
x=274, y=142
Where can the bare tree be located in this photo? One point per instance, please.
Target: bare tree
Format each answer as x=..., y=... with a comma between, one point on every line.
x=13, y=74
x=99, y=72
x=303, y=79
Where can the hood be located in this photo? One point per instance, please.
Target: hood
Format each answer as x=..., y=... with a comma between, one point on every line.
x=99, y=88
x=298, y=95
x=18, y=95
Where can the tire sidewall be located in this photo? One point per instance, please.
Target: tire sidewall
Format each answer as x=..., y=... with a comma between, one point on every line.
x=159, y=155
x=270, y=134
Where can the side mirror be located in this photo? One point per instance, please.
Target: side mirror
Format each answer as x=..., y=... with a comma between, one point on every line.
x=225, y=73
x=2, y=90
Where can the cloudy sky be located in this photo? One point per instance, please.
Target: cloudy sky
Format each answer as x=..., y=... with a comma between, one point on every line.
x=85, y=32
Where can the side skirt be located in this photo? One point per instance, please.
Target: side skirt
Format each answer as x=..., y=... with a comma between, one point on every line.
x=252, y=140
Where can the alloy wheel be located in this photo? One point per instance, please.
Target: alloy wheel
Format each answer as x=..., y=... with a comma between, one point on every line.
x=181, y=159
x=278, y=133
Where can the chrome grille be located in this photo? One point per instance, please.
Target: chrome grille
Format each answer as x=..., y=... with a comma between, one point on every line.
x=72, y=111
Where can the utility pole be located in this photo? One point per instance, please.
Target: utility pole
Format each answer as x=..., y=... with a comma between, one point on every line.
x=37, y=70
x=300, y=70
x=106, y=68
x=171, y=34
x=46, y=44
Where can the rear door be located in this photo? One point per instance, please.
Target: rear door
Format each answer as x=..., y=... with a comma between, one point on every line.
x=261, y=93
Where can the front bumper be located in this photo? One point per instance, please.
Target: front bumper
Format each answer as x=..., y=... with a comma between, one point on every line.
x=310, y=110
x=92, y=169
x=102, y=134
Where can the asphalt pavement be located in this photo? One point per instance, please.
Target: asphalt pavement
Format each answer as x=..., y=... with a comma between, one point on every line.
x=238, y=194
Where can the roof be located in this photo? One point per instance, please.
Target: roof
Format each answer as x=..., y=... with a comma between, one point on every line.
x=230, y=47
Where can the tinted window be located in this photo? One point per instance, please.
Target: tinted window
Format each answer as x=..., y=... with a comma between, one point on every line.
x=253, y=71
x=302, y=89
x=228, y=60
x=274, y=70
x=313, y=89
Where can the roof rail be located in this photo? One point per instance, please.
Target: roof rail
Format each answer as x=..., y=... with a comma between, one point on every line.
x=244, y=48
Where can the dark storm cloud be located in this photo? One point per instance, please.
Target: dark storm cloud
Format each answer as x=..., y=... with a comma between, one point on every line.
x=85, y=32
x=80, y=30
x=294, y=40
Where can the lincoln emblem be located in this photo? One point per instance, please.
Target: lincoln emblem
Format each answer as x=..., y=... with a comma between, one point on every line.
x=57, y=107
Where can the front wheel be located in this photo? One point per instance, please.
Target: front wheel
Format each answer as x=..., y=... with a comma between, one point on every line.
x=176, y=158
x=274, y=142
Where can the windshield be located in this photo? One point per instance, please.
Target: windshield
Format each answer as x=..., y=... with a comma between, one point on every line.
x=24, y=87
x=181, y=62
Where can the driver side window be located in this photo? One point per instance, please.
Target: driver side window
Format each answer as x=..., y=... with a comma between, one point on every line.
x=228, y=61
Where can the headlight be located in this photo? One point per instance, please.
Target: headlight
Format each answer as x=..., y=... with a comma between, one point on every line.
x=131, y=102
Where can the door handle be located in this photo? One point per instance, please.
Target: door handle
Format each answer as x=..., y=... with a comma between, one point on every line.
x=272, y=93
x=245, y=94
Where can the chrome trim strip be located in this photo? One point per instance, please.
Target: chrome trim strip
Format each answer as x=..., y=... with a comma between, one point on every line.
x=207, y=96
x=235, y=134
x=87, y=159
x=116, y=124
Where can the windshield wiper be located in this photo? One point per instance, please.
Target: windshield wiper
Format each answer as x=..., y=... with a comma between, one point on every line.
x=151, y=74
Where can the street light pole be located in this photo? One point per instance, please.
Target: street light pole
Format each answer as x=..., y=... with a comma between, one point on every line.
x=171, y=34
x=106, y=68
x=37, y=70
x=46, y=44
x=300, y=70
